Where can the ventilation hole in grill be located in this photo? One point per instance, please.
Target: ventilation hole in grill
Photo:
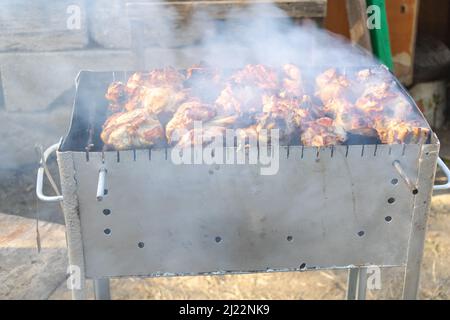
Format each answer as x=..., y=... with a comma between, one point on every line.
x=388, y=219
x=218, y=239
x=361, y=233
x=289, y=238
x=141, y=245
x=107, y=231
x=391, y=200
x=105, y=192
x=106, y=212
x=394, y=181
x=303, y=266
x=415, y=191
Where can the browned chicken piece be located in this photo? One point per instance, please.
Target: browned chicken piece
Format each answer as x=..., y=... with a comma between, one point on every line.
x=368, y=103
x=166, y=77
x=201, y=72
x=322, y=132
x=156, y=100
x=162, y=99
x=337, y=106
x=345, y=115
x=160, y=91
x=204, y=82
x=204, y=136
x=370, y=77
x=394, y=131
x=380, y=91
x=239, y=99
x=132, y=129
x=186, y=115
x=256, y=75
x=386, y=101
x=330, y=85
x=292, y=82
x=283, y=114
x=117, y=96
x=227, y=103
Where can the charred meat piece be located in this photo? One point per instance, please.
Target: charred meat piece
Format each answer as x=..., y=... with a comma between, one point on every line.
x=395, y=131
x=256, y=75
x=202, y=73
x=370, y=77
x=322, y=132
x=345, y=108
x=117, y=96
x=162, y=99
x=132, y=129
x=203, y=136
x=204, y=82
x=160, y=91
x=283, y=114
x=330, y=84
x=292, y=83
x=345, y=115
x=239, y=99
x=166, y=77
x=185, y=116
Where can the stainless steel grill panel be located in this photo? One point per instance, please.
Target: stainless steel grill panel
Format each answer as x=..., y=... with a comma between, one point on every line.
x=196, y=219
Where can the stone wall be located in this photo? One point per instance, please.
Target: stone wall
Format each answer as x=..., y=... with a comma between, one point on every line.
x=43, y=46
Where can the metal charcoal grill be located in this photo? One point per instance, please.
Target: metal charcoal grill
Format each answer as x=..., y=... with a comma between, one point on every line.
x=136, y=213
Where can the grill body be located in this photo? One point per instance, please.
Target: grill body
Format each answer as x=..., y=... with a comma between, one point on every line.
x=319, y=211
x=326, y=208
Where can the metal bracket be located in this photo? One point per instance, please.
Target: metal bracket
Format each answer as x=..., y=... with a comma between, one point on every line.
x=40, y=176
x=446, y=171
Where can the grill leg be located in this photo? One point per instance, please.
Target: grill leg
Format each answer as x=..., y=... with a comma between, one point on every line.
x=352, y=283
x=101, y=289
x=362, y=283
x=357, y=282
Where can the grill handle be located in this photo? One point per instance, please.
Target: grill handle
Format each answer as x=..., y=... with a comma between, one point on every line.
x=40, y=176
x=446, y=170
x=101, y=184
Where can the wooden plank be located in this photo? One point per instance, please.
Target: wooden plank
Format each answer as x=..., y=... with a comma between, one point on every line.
x=336, y=20
x=182, y=23
x=357, y=20
x=40, y=26
x=222, y=9
x=434, y=18
x=402, y=18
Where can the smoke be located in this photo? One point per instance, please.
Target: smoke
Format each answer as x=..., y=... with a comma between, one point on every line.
x=254, y=34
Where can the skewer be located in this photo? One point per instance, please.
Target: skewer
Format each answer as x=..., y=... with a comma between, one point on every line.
x=402, y=174
x=101, y=184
